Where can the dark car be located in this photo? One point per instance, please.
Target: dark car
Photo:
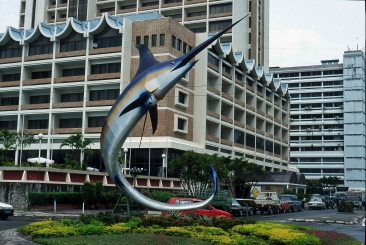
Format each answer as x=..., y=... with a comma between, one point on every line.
x=239, y=210
x=6, y=210
x=293, y=200
x=284, y=206
x=329, y=203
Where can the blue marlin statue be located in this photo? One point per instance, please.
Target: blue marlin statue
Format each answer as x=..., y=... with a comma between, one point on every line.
x=151, y=83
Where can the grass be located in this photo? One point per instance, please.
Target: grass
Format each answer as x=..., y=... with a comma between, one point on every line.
x=333, y=238
x=130, y=239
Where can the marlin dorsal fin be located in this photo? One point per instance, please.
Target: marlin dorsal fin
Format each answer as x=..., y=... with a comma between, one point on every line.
x=147, y=59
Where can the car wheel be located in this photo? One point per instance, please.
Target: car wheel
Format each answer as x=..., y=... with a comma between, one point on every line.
x=4, y=217
x=250, y=213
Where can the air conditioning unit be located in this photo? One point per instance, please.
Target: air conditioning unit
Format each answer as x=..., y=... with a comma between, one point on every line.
x=336, y=117
x=308, y=129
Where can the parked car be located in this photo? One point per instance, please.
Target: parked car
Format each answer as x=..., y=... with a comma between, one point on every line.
x=207, y=210
x=329, y=203
x=356, y=201
x=316, y=203
x=239, y=210
x=285, y=207
x=293, y=200
x=6, y=210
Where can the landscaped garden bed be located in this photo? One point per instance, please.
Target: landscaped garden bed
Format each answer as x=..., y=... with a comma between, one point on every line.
x=176, y=229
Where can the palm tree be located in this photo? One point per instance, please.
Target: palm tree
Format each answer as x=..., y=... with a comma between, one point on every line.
x=78, y=145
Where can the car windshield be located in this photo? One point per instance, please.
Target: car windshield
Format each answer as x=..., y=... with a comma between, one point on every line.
x=285, y=198
x=235, y=202
x=315, y=200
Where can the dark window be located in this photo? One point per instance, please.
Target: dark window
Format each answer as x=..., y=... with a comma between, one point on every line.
x=41, y=74
x=10, y=125
x=333, y=72
x=173, y=41
x=182, y=97
x=130, y=6
x=106, y=68
x=150, y=4
x=138, y=40
x=107, y=10
x=184, y=48
x=277, y=149
x=172, y=1
x=38, y=124
x=260, y=143
x=109, y=94
x=179, y=45
x=11, y=49
x=213, y=60
x=109, y=37
x=181, y=124
x=198, y=29
x=70, y=123
x=221, y=8
x=310, y=73
x=96, y=121
x=239, y=137
x=39, y=99
x=73, y=72
x=146, y=40
x=162, y=40
x=269, y=146
x=199, y=13
x=73, y=8
x=75, y=97
x=82, y=10
x=175, y=16
x=153, y=40
x=219, y=25
x=238, y=76
x=250, y=140
x=74, y=42
x=226, y=68
x=42, y=45
x=11, y=77
x=10, y=101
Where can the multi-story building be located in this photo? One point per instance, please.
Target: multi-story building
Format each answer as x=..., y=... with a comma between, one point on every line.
x=63, y=78
x=327, y=118
x=199, y=16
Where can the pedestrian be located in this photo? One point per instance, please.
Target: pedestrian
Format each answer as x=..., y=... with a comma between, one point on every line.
x=303, y=202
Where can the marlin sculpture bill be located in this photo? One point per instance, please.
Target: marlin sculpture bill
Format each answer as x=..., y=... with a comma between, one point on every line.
x=152, y=82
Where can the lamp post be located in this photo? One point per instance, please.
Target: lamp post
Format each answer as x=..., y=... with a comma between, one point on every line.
x=134, y=172
x=125, y=150
x=40, y=136
x=162, y=170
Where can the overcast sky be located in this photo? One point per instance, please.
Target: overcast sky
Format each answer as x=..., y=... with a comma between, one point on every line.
x=302, y=32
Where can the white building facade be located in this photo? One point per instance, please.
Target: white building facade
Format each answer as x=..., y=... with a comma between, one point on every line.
x=327, y=118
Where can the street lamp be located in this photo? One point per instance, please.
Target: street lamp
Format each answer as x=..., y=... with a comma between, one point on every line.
x=162, y=170
x=40, y=136
x=134, y=172
x=125, y=150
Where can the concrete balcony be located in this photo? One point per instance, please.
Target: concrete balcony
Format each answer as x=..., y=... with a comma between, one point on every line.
x=213, y=67
x=269, y=116
x=211, y=16
x=68, y=104
x=260, y=112
x=228, y=97
x=9, y=84
x=9, y=108
x=227, y=75
x=104, y=76
x=38, y=57
x=35, y=106
x=261, y=132
x=100, y=103
x=252, y=108
x=249, y=88
x=67, y=130
x=69, y=79
x=122, y=11
x=106, y=50
x=93, y=130
x=212, y=138
x=168, y=5
x=239, y=82
x=149, y=7
x=226, y=142
x=213, y=114
x=226, y=119
x=239, y=102
x=250, y=128
x=277, y=138
x=37, y=81
x=71, y=54
x=277, y=120
x=239, y=124
x=213, y=90
x=10, y=60
x=187, y=2
x=36, y=131
x=200, y=17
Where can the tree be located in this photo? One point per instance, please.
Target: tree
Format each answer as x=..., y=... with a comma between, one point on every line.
x=8, y=139
x=24, y=140
x=78, y=145
x=330, y=182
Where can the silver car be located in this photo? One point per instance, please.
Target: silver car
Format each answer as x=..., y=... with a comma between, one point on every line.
x=316, y=203
x=6, y=210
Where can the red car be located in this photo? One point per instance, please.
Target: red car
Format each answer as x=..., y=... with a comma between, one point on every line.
x=285, y=207
x=207, y=210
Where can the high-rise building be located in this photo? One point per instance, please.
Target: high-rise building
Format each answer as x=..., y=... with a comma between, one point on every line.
x=200, y=16
x=63, y=76
x=327, y=118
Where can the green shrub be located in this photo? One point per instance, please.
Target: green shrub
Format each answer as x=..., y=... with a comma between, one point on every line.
x=98, y=192
x=95, y=227
x=88, y=193
x=346, y=206
x=161, y=196
x=118, y=228
x=42, y=198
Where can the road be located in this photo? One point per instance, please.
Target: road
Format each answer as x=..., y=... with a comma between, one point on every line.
x=356, y=230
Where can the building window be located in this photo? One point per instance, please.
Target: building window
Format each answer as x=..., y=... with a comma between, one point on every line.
x=74, y=97
x=250, y=140
x=180, y=124
x=219, y=25
x=239, y=137
x=11, y=77
x=73, y=8
x=73, y=72
x=42, y=45
x=40, y=99
x=198, y=13
x=41, y=74
x=109, y=94
x=11, y=49
x=71, y=123
x=153, y=40
x=150, y=4
x=173, y=41
x=172, y=1
x=10, y=125
x=277, y=149
x=260, y=143
x=96, y=121
x=269, y=146
x=130, y=6
x=146, y=41
x=105, y=10
x=106, y=68
x=179, y=45
x=82, y=10
x=213, y=60
x=198, y=29
x=9, y=101
x=181, y=98
x=226, y=68
x=184, y=48
x=74, y=42
x=162, y=40
x=38, y=124
x=138, y=40
x=109, y=37
x=221, y=8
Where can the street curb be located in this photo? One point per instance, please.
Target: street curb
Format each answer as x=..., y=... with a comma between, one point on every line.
x=354, y=220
